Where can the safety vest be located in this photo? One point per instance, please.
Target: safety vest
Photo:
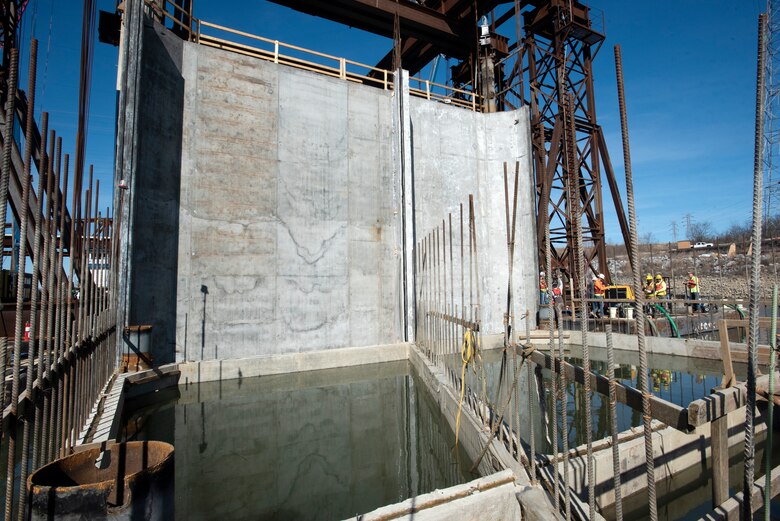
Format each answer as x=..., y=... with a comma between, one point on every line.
x=599, y=287
x=660, y=289
x=542, y=284
x=693, y=284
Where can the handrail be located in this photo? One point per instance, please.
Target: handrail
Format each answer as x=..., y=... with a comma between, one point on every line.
x=340, y=68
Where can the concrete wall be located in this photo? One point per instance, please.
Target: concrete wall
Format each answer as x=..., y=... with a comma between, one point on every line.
x=299, y=200
x=458, y=152
x=287, y=211
x=155, y=193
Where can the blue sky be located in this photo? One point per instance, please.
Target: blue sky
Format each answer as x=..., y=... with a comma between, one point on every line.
x=689, y=68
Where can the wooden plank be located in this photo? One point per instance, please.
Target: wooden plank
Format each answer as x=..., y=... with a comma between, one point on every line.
x=719, y=446
x=717, y=404
x=725, y=354
x=661, y=410
x=730, y=509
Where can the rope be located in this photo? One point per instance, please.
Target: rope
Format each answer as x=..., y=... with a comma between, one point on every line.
x=468, y=351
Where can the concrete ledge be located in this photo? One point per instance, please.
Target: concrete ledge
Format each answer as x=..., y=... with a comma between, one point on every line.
x=230, y=369
x=491, y=498
x=473, y=434
x=675, y=452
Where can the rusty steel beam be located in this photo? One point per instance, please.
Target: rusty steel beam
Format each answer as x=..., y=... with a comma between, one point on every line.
x=377, y=16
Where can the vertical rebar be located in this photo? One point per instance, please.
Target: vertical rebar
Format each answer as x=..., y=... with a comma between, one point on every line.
x=564, y=386
x=638, y=294
x=18, y=325
x=44, y=266
x=60, y=325
x=770, y=406
x=49, y=409
x=35, y=337
x=576, y=215
x=755, y=276
x=613, y=426
x=31, y=346
x=553, y=353
x=8, y=139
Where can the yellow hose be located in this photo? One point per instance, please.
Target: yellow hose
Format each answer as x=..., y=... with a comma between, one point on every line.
x=468, y=351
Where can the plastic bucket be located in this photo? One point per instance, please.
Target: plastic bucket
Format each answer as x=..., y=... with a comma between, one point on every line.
x=613, y=312
x=630, y=313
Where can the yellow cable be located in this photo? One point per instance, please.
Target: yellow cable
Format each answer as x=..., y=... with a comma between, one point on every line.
x=467, y=352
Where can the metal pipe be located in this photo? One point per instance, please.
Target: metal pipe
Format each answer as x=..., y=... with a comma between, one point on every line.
x=638, y=294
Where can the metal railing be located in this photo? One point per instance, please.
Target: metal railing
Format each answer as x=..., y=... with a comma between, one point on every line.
x=221, y=37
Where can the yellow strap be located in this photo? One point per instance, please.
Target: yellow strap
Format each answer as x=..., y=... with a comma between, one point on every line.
x=467, y=352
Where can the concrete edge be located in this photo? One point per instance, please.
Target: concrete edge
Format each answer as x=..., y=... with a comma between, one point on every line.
x=441, y=498
x=230, y=369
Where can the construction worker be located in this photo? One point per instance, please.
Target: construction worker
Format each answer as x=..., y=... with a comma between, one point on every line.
x=599, y=289
x=649, y=287
x=544, y=296
x=660, y=287
x=693, y=288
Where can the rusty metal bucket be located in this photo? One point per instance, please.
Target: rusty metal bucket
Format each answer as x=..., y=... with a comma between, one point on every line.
x=115, y=481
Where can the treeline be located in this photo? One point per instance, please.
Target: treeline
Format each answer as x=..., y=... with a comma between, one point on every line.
x=741, y=233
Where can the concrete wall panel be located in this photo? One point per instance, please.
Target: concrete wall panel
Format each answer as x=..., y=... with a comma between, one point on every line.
x=289, y=234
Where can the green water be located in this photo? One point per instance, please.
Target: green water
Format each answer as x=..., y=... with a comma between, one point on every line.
x=324, y=445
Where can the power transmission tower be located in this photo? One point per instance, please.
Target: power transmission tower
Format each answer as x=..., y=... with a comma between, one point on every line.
x=674, y=230
x=688, y=222
x=771, y=122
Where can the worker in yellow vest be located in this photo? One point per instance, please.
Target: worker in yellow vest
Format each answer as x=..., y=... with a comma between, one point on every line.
x=693, y=289
x=660, y=287
x=649, y=287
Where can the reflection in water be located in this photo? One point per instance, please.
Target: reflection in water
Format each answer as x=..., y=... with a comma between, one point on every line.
x=323, y=445
x=678, y=380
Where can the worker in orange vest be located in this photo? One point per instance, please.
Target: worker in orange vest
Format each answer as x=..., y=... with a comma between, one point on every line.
x=599, y=289
x=544, y=295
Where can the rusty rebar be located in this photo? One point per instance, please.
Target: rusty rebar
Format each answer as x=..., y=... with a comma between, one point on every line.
x=613, y=426
x=755, y=278
x=638, y=294
x=18, y=325
x=35, y=337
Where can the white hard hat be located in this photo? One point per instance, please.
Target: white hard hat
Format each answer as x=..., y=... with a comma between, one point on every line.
x=541, y=273
x=601, y=275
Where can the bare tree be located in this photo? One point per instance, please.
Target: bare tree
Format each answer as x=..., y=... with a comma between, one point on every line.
x=701, y=231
